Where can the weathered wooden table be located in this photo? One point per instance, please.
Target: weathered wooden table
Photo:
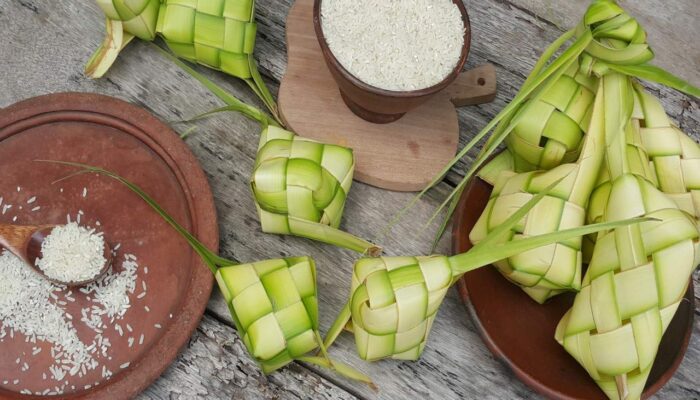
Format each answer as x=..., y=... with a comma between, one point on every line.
x=45, y=44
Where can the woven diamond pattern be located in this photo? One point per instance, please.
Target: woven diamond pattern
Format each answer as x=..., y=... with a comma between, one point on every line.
x=548, y=270
x=674, y=157
x=634, y=283
x=139, y=16
x=394, y=302
x=274, y=306
x=637, y=163
x=217, y=33
x=297, y=182
x=551, y=128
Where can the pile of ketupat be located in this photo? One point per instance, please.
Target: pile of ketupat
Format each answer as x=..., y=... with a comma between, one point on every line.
x=274, y=305
x=583, y=138
x=585, y=121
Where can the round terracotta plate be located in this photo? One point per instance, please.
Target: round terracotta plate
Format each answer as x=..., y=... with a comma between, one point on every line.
x=520, y=332
x=121, y=137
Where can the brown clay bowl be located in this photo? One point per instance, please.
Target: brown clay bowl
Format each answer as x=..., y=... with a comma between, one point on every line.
x=379, y=105
x=520, y=332
x=121, y=137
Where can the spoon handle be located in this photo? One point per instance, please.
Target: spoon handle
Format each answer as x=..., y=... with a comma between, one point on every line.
x=15, y=238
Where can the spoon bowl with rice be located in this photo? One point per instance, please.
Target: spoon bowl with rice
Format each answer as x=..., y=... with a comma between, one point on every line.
x=69, y=255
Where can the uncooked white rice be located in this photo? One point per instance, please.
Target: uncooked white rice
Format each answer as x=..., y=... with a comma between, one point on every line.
x=34, y=307
x=394, y=44
x=72, y=253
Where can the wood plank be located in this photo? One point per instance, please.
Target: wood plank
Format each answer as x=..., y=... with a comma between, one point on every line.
x=49, y=42
x=215, y=366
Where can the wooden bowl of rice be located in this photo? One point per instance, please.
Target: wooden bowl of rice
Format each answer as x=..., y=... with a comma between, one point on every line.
x=401, y=86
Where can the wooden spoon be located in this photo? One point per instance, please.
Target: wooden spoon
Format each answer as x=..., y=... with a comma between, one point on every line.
x=24, y=241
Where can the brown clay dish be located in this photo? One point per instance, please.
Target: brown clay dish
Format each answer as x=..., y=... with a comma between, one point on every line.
x=379, y=105
x=121, y=137
x=520, y=332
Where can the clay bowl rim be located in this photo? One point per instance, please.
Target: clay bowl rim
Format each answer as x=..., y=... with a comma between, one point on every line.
x=523, y=374
x=331, y=59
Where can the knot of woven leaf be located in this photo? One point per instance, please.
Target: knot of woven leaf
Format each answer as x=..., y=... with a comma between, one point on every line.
x=299, y=179
x=300, y=187
x=218, y=34
x=617, y=38
x=393, y=303
x=139, y=16
x=551, y=126
x=553, y=123
x=637, y=275
x=274, y=306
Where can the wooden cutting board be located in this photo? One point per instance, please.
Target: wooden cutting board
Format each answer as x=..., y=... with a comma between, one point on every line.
x=404, y=155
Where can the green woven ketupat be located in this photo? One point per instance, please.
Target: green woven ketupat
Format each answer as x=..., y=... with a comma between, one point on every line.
x=393, y=304
x=300, y=187
x=616, y=323
x=547, y=128
x=274, y=306
x=551, y=126
x=637, y=274
x=550, y=270
x=217, y=33
x=394, y=300
x=658, y=152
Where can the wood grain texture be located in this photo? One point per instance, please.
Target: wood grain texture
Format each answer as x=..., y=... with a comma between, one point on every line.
x=15, y=238
x=44, y=46
x=215, y=366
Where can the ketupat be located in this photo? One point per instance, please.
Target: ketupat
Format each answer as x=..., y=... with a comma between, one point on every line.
x=551, y=128
x=658, y=152
x=305, y=200
x=638, y=273
x=218, y=33
x=300, y=187
x=393, y=304
x=273, y=303
x=547, y=271
x=393, y=300
x=612, y=46
x=274, y=307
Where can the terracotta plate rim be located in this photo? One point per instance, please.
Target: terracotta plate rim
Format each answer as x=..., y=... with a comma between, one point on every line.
x=173, y=152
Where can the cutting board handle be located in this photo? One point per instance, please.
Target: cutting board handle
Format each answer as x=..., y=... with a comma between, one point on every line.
x=475, y=86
